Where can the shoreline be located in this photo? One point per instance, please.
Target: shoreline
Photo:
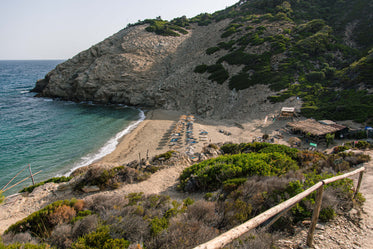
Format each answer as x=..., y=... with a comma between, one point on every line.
x=109, y=147
x=151, y=136
x=144, y=139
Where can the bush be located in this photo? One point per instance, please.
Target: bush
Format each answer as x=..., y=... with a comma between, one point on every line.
x=363, y=145
x=232, y=184
x=212, y=50
x=167, y=155
x=100, y=239
x=110, y=178
x=236, y=212
x=259, y=147
x=201, y=68
x=327, y=214
x=24, y=246
x=315, y=77
x=226, y=45
x=184, y=233
x=218, y=73
x=164, y=28
x=61, y=215
x=54, y=179
x=61, y=236
x=210, y=174
x=157, y=225
x=42, y=222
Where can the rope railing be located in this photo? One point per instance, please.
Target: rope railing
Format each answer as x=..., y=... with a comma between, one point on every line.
x=239, y=230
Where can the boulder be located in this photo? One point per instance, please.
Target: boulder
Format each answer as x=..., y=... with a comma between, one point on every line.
x=89, y=189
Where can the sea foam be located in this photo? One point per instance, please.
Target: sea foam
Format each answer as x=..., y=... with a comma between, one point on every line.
x=108, y=147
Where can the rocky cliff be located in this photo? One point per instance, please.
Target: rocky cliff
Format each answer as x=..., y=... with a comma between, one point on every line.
x=139, y=68
x=247, y=59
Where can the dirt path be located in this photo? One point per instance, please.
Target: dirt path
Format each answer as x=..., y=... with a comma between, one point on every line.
x=162, y=182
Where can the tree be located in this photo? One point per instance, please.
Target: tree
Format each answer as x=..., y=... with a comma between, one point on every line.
x=329, y=139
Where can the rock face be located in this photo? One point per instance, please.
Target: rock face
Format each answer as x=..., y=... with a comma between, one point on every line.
x=138, y=68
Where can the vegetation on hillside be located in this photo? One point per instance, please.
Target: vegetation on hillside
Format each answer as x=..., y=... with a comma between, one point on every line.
x=318, y=51
x=29, y=189
x=246, y=189
x=247, y=180
x=306, y=57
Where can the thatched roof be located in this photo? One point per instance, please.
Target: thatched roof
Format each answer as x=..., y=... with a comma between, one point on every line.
x=295, y=141
x=315, y=128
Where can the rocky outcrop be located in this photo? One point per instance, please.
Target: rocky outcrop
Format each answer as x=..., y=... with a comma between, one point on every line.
x=138, y=68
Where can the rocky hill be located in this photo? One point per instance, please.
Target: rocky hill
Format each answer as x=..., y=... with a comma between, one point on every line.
x=229, y=63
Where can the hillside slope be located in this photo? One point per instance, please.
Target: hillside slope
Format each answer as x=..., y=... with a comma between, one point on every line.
x=229, y=63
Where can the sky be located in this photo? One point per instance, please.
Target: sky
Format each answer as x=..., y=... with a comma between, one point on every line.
x=59, y=29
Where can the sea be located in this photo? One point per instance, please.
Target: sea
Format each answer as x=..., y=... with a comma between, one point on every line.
x=52, y=136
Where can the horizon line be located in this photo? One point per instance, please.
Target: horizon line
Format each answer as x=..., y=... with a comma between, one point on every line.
x=33, y=59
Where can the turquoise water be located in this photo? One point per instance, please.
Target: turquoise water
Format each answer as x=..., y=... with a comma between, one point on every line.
x=51, y=135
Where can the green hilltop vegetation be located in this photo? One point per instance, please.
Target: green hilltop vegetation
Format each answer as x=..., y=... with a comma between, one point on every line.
x=320, y=51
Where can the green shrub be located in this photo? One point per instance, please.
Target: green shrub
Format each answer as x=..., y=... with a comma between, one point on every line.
x=327, y=214
x=226, y=45
x=211, y=174
x=110, y=178
x=201, y=68
x=167, y=155
x=187, y=202
x=100, y=239
x=208, y=196
x=237, y=212
x=231, y=149
x=315, y=77
x=259, y=147
x=212, y=50
x=157, y=225
x=231, y=29
x=329, y=139
x=341, y=148
x=218, y=73
x=133, y=198
x=24, y=246
x=240, y=81
x=203, y=19
x=54, y=179
x=363, y=144
x=314, y=45
x=164, y=28
x=81, y=215
x=42, y=222
x=232, y=184
x=310, y=27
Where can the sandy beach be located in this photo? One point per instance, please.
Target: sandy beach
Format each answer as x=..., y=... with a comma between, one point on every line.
x=152, y=136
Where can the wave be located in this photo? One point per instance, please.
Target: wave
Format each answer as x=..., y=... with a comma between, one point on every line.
x=108, y=147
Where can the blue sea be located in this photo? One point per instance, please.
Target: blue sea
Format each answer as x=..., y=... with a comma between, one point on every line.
x=52, y=135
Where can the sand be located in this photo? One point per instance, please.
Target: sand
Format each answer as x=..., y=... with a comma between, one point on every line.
x=152, y=136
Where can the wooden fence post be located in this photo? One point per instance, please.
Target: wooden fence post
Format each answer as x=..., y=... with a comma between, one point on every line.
x=359, y=183
x=32, y=177
x=315, y=215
